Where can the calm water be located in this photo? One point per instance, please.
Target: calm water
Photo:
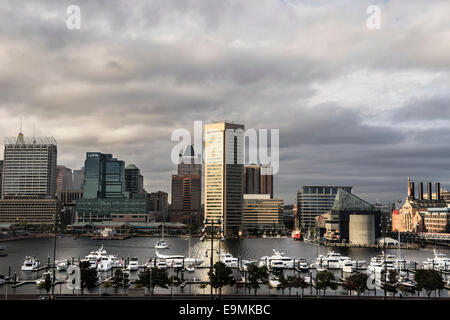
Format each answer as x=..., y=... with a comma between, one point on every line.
x=142, y=247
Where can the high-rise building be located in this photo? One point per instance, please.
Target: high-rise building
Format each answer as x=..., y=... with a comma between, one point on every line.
x=29, y=180
x=134, y=180
x=187, y=190
x=313, y=201
x=63, y=179
x=78, y=179
x=104, y=192
x=159, y=205
x=224, y=166
x=262, y=213
x=29, y=167
x=266, y=180
x=252, y=177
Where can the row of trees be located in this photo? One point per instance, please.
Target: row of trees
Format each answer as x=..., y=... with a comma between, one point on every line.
x=222, y=275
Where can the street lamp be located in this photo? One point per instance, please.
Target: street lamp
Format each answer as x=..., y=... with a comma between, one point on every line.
x=211, y=222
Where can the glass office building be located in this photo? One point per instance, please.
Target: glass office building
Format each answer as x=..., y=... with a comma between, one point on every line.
x=313, y=201
x=104, y=190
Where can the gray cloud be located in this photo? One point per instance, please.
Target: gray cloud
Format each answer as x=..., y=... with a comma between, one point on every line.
x=134, y=73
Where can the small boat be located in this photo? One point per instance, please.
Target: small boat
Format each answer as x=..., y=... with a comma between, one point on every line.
x=229, y=260
x=2, y=279
x=41, y=280
x=30, y=264
x=274, y=283
x=161, y=244
x=277, y=261
x=303, y=265
x=161, y=264
x=190, y=268
x=134, y=264
x=3, y=252
x=62, y=265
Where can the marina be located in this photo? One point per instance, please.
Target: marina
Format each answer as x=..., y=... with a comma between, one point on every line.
x=189, y=260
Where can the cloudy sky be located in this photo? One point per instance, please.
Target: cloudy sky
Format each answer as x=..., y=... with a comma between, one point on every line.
x=354, y=106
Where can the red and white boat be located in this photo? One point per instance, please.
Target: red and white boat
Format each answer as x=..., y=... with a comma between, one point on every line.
x=296, y=235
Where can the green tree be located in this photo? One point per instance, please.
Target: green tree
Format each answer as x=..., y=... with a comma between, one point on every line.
x=429, y=280
x=356, y=282
x=120, y=279
x=221, y=276
x=153, y=277
x=88, y=275
x=284, y=283
x=257, y=275
x=325, y=279
x=106, y=285
x=203, y=287
x=390, y=284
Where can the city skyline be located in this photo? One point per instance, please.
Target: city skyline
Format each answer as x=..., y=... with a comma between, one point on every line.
x=359, y=107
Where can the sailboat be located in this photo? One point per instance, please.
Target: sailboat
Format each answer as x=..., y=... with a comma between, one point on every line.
x=161, y=244
x=191, y=267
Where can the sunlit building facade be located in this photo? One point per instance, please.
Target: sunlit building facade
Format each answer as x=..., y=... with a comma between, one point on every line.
x=224, y=165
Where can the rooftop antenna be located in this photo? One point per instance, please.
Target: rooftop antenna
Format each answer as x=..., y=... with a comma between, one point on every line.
x=34, y=135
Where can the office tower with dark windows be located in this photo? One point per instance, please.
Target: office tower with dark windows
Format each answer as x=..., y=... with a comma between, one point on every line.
x=224, y=170
x=313, y=201
x=29, y=180
x=134, y=180
x=63, y=179
x=266, y=180
x=159, y=206
x=104, y=194
x=78, y=178
x=252, y=177
x=187, y=190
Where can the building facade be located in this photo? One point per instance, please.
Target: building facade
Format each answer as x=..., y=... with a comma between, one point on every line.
x=252, y=177
x=134, y=180
x=266, y=180
x=29, y=181
x=29, y=167
x=63, y=179
x=1, y=172
x=224, y=168
x=187, y=190
x=78, y=179
x=104, y=192
x=262, y=213
x=313, y=201
x=411, y=216
x=352, y=220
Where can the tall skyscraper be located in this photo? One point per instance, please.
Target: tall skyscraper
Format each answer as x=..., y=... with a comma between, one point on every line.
x=104, y=195
x=134, y=180
x=104, y=177
x=78, y=178
x=266, y=181
x=63, y=179
x=224, y=167
x=313, y=201
x=187, y=190
x=252, y=176
x=29, y=167
x=29, y=180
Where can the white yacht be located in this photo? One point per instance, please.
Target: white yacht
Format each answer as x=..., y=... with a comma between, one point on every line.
x=439, y=262
x=105, y=264
x=382, y=262
x=134, y=264
x=161, y=244
x=62, y=265
x=94, y=257
x=303, y=265
x=277, y=261
x=229, y=260
x=161, y=264
x=190, y=268
x=333, y=260
x=176, y=259
x=30, y=264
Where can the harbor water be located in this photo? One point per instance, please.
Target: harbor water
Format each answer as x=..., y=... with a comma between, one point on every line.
x=143, y=248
